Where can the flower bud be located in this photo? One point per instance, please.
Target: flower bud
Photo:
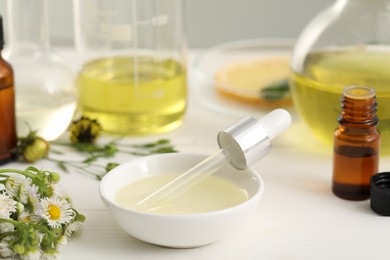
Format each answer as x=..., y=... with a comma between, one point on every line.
x=46, y=243
x=35, y=150
x=84, y=130
x=33, y=238
x=19, y=207
x=54, y=177
x=18, y=248
x=79, y=217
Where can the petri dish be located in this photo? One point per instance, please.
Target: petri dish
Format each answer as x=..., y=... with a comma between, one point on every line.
x=238, y=101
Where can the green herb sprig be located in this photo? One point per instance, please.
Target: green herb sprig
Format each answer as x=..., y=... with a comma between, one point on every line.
x=84, y=133
x=93, y=152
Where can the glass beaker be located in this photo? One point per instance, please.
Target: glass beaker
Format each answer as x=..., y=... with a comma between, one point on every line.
x=44, y=84
x=132, y=76
x=347, y=44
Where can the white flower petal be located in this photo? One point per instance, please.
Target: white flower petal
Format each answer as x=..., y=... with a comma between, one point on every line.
x=33, y=200
x=6, y=227
x=34, y=254
x=7, y=206
x=73, y=227
x=62, y=242
x=5, y=250
x=59, y=191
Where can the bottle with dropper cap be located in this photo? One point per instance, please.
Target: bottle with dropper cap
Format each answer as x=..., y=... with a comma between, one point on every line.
x=356, y=144
x=8, y=139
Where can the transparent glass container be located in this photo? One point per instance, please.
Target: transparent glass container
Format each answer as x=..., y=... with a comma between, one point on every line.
x=347, y=44
x=44, y=83
x=132, y=54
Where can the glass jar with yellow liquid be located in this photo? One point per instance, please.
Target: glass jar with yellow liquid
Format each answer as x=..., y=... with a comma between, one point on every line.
x=347, y=44
x=132, y=76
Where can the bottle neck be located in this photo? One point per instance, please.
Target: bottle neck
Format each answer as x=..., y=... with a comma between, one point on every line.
x=360, y=113
x=27, y=25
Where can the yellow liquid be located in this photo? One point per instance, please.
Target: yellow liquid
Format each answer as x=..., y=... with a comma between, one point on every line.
x=317, y=91
x=212, y=193
x=133, y=95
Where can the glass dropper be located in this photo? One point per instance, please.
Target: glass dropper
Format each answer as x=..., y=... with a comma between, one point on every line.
x=242, y=144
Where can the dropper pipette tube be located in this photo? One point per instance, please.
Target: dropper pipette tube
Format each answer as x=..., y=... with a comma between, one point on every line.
x=241, y=145
x=184, y=182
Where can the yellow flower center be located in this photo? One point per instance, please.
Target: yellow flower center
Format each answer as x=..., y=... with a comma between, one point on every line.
x=54, y=212
x=26, y=219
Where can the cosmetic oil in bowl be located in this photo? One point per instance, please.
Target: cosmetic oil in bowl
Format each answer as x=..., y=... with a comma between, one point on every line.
x=211, y=194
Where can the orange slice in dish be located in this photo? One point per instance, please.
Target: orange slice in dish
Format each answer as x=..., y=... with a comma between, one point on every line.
x=244, y=80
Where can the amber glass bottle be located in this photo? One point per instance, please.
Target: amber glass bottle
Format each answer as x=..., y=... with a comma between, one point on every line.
x=8, y=139
x=356, y=144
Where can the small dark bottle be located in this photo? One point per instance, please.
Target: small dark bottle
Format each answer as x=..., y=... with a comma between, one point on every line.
x=356, y=144
x=8, y=138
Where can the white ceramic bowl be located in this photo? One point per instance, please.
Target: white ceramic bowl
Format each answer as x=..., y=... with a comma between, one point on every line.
x=179, y=231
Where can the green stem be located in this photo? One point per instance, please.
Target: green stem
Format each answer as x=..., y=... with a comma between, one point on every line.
x=44, y=229
x=23, y=172
x=80, y=166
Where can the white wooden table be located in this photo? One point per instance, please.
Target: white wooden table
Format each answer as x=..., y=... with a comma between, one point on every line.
x=298, y=217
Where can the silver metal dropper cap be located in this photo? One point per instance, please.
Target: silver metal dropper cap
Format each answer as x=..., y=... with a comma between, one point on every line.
x=249, y=140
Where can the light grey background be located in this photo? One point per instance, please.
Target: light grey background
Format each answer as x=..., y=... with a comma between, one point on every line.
x=210, y=22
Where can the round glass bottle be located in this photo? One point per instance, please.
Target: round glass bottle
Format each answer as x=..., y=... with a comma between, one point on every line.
x=347, y=44
x=132, y=75
x=45, y=93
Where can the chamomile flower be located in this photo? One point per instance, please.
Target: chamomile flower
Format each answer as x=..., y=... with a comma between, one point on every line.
x=7, y=206
x=56, y=212
x=62, y=241
x=12, y=183
x=5, y=250
x=33, y=254
x=6, y=227
x=33, y=197
x=16, y=186
x=58, y=191
x=73, y=227
x=50, y=255
x=27, y=217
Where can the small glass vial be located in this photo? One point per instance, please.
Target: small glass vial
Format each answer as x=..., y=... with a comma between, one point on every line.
x=356, y=144
x=8, y=138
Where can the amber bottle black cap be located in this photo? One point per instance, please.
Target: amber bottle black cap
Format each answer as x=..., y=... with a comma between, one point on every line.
x=380, y=193
x=1, y=33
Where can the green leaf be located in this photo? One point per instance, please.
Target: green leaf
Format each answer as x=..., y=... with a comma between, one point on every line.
x=276, y=91
x=62, y=166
